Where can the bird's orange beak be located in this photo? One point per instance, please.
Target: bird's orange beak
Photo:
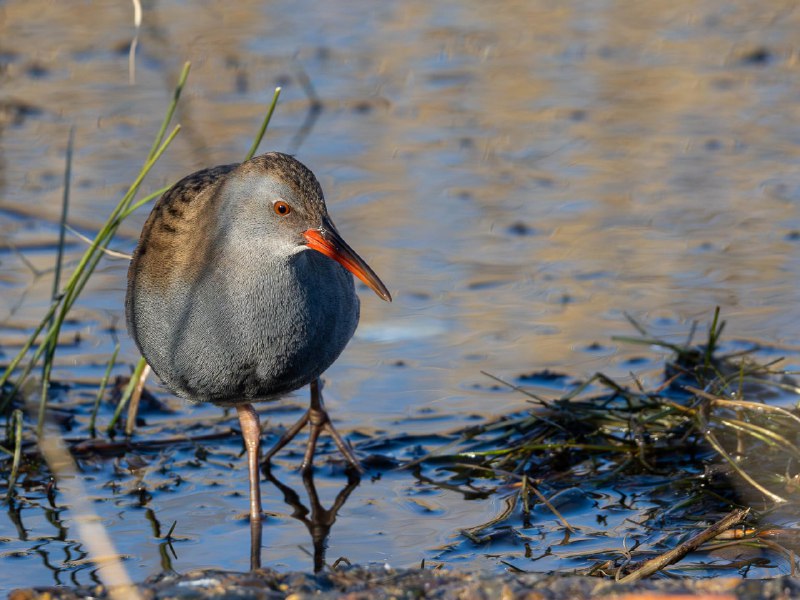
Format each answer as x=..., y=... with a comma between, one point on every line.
x=328, y=241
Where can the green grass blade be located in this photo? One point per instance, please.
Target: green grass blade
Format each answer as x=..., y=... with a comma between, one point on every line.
x=86, y=267
x=51, y=347
x=64, y=210
x=101, y=390
x=264, y=125
x=171, y=110
x=711, y=438
x=137, y=373
x=12, y=479
x=134, y=207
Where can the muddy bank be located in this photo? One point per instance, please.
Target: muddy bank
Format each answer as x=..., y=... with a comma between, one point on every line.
x=377, y=583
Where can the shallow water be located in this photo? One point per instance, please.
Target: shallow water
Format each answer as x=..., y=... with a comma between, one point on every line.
x=519, y=177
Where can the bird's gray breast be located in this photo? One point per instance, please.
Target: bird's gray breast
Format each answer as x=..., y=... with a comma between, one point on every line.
x=255, y=326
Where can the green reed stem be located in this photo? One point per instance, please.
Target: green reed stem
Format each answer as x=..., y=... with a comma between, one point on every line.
x=136, y=398
x=126, y=396
x=176, y=95
x=713, y=338
x=51, y=347
x=16, y=416
x=26, y=346
x=64, y=210
x=264, y=125
x=134, y=207
x=101, y=390
x=80, y=275
x=111, y=225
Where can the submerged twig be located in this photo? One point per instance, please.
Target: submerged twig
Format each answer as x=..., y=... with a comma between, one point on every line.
x=64, y=211
x=742, y=473
x=672, y=556
x=473, y=533
x=552, y=508
x=754, y=406
x=106, y=448
x=517, y=388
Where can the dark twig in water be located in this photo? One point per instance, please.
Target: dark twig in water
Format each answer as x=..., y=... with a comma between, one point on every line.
x=636, y=325
x=517, y=388
x=473, y=533
x=105, y=448
x=552, y=508
x=526, y=486
x=656, y=564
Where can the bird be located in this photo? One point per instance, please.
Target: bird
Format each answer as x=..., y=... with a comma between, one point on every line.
x=241, y=290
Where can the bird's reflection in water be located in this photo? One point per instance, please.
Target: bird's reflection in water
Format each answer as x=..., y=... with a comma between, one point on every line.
x=317, y=519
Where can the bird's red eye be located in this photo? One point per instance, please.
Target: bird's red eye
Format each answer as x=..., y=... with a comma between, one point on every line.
x=281, y=208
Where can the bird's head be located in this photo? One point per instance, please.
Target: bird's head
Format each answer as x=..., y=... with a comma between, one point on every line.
x=290, y=205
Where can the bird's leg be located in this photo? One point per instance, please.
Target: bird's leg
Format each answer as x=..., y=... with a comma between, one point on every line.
x=251, y=433
x=316, y=424
x=319, y=421
x=256, y=531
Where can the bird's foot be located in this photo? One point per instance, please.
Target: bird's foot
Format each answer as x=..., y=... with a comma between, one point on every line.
x=318, y=421
x=251, y=434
